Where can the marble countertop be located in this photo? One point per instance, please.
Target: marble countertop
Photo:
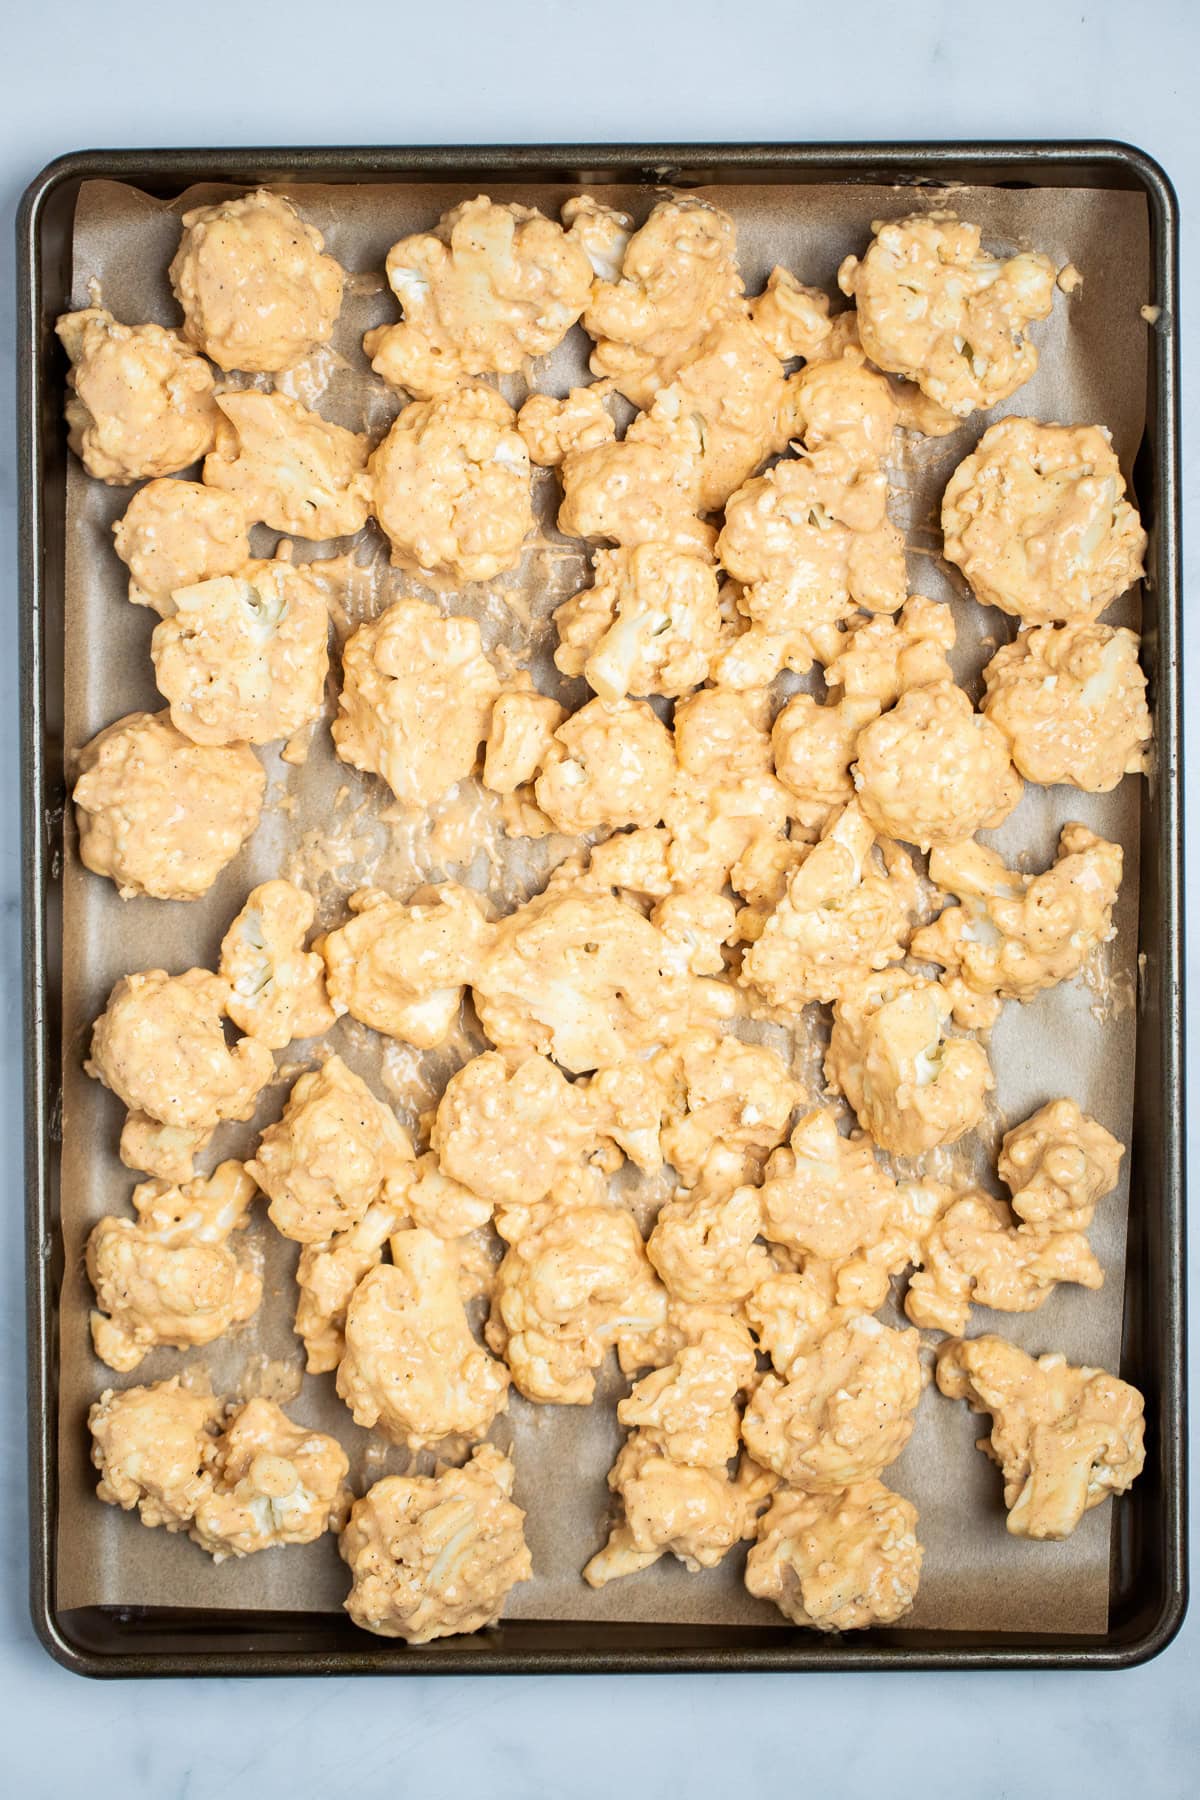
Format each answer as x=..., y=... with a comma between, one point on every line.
x=149, y=74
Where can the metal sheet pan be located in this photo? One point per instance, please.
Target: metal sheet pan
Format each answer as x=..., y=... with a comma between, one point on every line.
x=1148, y=1575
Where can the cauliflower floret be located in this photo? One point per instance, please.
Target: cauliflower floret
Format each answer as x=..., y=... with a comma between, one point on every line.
x=975, y=1253
x=509, y=1134
x=649, y=624
x=416, y=700
x=627, y=1112
x=166, y=1151
x=1037, y=520
x=602, y=232
x=826, y=1196
x=794, y=539
x=519, y=736
x=277, y=987
x=844, y=411
x=244, y=657
x=705, y=1242
x=1071, y=700
x=273, y=1483
x=933, y=770
x=411, y=1369
x=140, y=403
x=1065, y=1438
x=435, y=1556
x=838, y=1562
x=880, y=658
x=171, y=1278
x=679, y=277
x=555, y=429
x=911, y=1086
x=154, y=1449
x=491, y=286
x=845, y=1412
x=586, y=979
x=608, y=765
x=176, y=533
x=328, y=1273
x=632, y=493
x=814, y=744
x=451, y=486
x=847, y=911
x=688, y=1409
x=1013, y=935
x=336, y=1150
x=159, y=1046
x=575, y=1281
x=290, y=468
x=791, y=319
x=256, y=289
x=401, y=968
x=935, y=309
x=721, y=1095
x=726, y=797
x=698, y=926
x=1058, y=1165
x=159, y=814
x=696, y=1514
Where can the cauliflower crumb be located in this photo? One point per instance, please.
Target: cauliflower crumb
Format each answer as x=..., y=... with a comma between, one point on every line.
x=838, y=1562
x=1065, y=1438
x=933, y=770
x=433, y=1556
x=174, y=534
x=277, y=988
x=140, y=403
x=289, y=467
x=159, y=814
x=1071, y=700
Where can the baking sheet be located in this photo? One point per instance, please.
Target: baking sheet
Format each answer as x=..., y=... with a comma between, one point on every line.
x=1093, y=368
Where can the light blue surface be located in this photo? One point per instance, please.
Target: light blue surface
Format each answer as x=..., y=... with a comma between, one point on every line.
x=141, y=74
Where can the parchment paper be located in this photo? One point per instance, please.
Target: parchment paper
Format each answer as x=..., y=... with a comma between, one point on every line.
x=332, y=828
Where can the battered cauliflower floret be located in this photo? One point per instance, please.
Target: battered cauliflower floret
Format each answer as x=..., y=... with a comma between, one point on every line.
x=244, y=657
x=159, y=814
x=602, y=232
x=435, y=1556
x=880, y=658
x=627, y=1113
x=791, y=319
x=845, y=1412
x=1058, y=1165
x=411, y=1369
x=176, y=533
x=721, y=1095
x=726, y=797
x=166, y=1151
x=795, y=541
x=277, y=988
x=678, y=1509
x=509, y=1134
x=159, y=1046
x=976, y=1254
x=336, y=1150
x=814, y=745
x=289, y=467
x=649, y=624
x=555, y=429
x=416, y=700
x=586, y=979
x=911, y=1086
x=933, y=770
x=679, y=277
x=1037, y=520
x=451, y=486
x=490, y=287
x=154, y=1449
x=140, y=403
x=575, y=1281
x=847, y=911
x=632, y=493
x=273, y=1483
x=401, y=968
x=844, y=411
x=1065, y=1438
x=171, y=1278
x=256, y=289
x=609, y=764
x=705, y=1242
x=450, y=1210
x=826, y=1195
x=328, y=1273
x=1013, y=935
x=519, y=736
x=932, y=306
x=688, y=1409
x=838, y=1562
x=1071, y=700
